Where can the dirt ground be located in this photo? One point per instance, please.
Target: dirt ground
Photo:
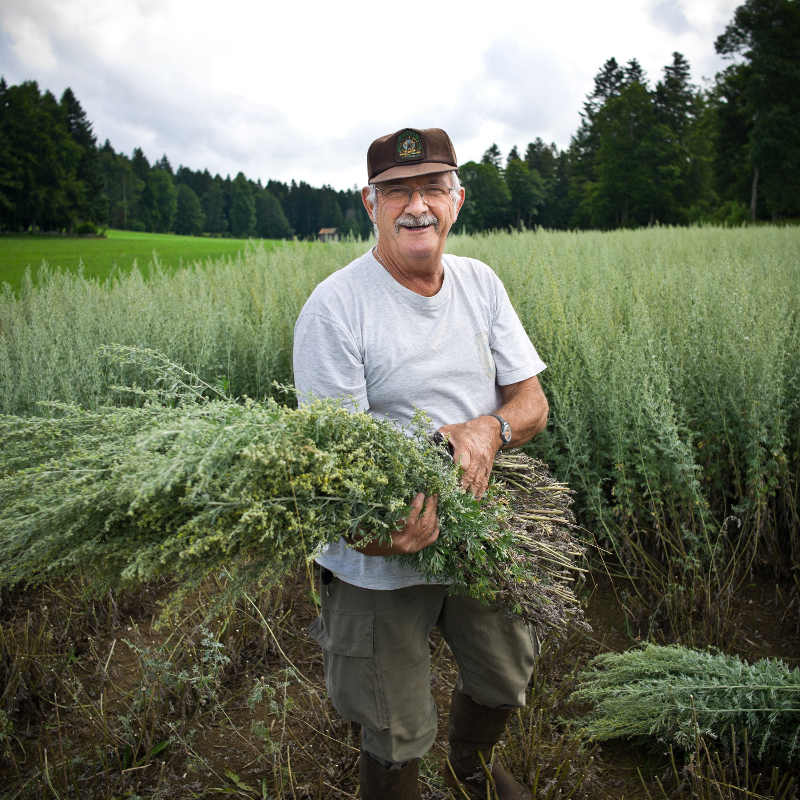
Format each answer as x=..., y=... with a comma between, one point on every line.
x=102, y=704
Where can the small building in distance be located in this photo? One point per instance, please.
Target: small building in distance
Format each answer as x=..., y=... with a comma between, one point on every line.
x=328, y=235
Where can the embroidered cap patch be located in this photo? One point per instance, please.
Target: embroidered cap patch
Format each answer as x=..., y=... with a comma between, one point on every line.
x=409, y=146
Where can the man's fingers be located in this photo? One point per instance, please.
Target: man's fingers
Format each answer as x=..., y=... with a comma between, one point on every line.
x=422, y=511
x=421, y=528
x=418, y=502
x=477, y=480
x=474, y=449
x=430, y=506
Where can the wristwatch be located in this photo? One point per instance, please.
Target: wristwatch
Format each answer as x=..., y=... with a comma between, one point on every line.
x=505, y=428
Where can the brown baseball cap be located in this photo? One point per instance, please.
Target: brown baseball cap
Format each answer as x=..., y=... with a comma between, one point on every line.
x=410, y=152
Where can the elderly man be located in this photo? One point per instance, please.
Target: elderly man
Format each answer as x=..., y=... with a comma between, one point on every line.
x=402, y=328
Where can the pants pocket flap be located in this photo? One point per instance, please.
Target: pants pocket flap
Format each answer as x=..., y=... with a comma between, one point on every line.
x=346, y=634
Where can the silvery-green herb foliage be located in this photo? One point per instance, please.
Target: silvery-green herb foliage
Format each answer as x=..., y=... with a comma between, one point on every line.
x=678, y=695
x=185, y=486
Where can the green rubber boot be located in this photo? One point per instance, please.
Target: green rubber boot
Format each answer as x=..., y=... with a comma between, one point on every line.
x=379, y=782
x=474, y=730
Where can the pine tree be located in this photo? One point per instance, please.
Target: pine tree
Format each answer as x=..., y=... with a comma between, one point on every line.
x=38, y=177
x=633, y=73
x=214, y=207
x=243, y=209
x=271, y=222
x=559, y=210
x=488, y=200
x=189, y=217
x=492, y=156
x=674, y=96
x=680, y=111
x=162, y=200
x=542, y=160
x=731, y=124
x=301, y=209
x=765, y=34
x=87, y=203
x=330, y=214
x=140, y=164
x=121, y=188
x=526, y=192
x=629, y=188
x=140, y=217
x=9, y=165
x=163, y=163
x=608, y=83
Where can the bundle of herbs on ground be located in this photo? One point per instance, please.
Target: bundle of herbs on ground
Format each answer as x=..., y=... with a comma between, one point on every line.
x=679, y=695
x=193, y=488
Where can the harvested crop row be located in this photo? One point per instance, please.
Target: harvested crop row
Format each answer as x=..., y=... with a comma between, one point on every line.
x=679, y=695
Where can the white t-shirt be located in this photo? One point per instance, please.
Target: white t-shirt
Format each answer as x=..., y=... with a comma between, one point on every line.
x=365, y=337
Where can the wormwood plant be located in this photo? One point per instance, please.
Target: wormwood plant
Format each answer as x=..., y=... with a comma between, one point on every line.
x=685, y=464
x=680, y=695
x=190, y=488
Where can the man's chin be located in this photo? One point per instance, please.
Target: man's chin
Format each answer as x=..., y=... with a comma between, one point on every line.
x=418, y=248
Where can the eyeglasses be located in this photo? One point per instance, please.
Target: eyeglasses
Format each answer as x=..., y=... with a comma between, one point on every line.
x=401, y=195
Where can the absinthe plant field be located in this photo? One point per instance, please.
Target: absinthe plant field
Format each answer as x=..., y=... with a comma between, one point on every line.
x=674, y=384
x=673, y=377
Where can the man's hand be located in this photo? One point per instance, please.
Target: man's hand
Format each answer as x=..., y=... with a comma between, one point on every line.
x=420, y=530
x=475, y=443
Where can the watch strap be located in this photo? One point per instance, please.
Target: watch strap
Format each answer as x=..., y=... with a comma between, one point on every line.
x=505, y=428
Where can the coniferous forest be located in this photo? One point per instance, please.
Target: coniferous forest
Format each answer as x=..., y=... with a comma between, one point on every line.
x=644, y=153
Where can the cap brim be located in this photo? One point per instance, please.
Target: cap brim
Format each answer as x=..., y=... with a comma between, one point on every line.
x=410, y=170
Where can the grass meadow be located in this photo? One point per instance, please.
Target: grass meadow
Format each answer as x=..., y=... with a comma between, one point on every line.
x=119, y=251
x=674, y=383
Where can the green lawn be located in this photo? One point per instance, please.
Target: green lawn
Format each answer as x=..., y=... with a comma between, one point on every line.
x=99, y=257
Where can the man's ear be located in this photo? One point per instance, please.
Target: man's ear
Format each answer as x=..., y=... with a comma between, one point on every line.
x=367, y=206
x=461, y=195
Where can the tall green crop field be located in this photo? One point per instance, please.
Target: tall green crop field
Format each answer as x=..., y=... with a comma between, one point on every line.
x=673, y=374
x=674, y=383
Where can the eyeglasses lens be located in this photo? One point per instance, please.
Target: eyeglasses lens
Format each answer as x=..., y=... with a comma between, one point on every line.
x=403, y=194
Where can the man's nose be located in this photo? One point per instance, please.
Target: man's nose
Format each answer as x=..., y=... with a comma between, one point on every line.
x=417, y=202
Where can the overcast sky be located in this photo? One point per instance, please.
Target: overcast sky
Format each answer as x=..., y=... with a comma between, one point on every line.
x=299, y=89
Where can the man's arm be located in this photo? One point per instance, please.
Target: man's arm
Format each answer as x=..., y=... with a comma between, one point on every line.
x=476, y=441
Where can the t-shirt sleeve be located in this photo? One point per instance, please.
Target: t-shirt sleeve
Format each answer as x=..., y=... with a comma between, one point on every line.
x=327, y=362
x=515, y=357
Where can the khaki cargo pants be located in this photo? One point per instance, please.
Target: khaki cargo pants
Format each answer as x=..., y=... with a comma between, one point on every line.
x=377, y=659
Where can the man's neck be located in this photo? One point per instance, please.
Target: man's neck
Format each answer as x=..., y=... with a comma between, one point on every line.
x=425, y=277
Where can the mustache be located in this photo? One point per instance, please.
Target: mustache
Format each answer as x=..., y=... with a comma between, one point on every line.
x=412, y=221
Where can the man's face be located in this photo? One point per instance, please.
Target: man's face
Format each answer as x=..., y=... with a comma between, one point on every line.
x=415, y=228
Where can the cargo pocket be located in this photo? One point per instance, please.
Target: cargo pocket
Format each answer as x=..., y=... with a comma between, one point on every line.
x=351, y=677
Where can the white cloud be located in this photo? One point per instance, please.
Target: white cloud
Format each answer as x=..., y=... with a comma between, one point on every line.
x=31, y=44
x=298, y=90
x=669, y=15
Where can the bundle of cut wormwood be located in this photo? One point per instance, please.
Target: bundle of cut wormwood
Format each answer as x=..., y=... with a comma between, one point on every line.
x=679, y=695
x=191, y=486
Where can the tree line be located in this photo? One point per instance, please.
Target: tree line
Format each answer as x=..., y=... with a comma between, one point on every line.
x=670, y=154
x=55, y=177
